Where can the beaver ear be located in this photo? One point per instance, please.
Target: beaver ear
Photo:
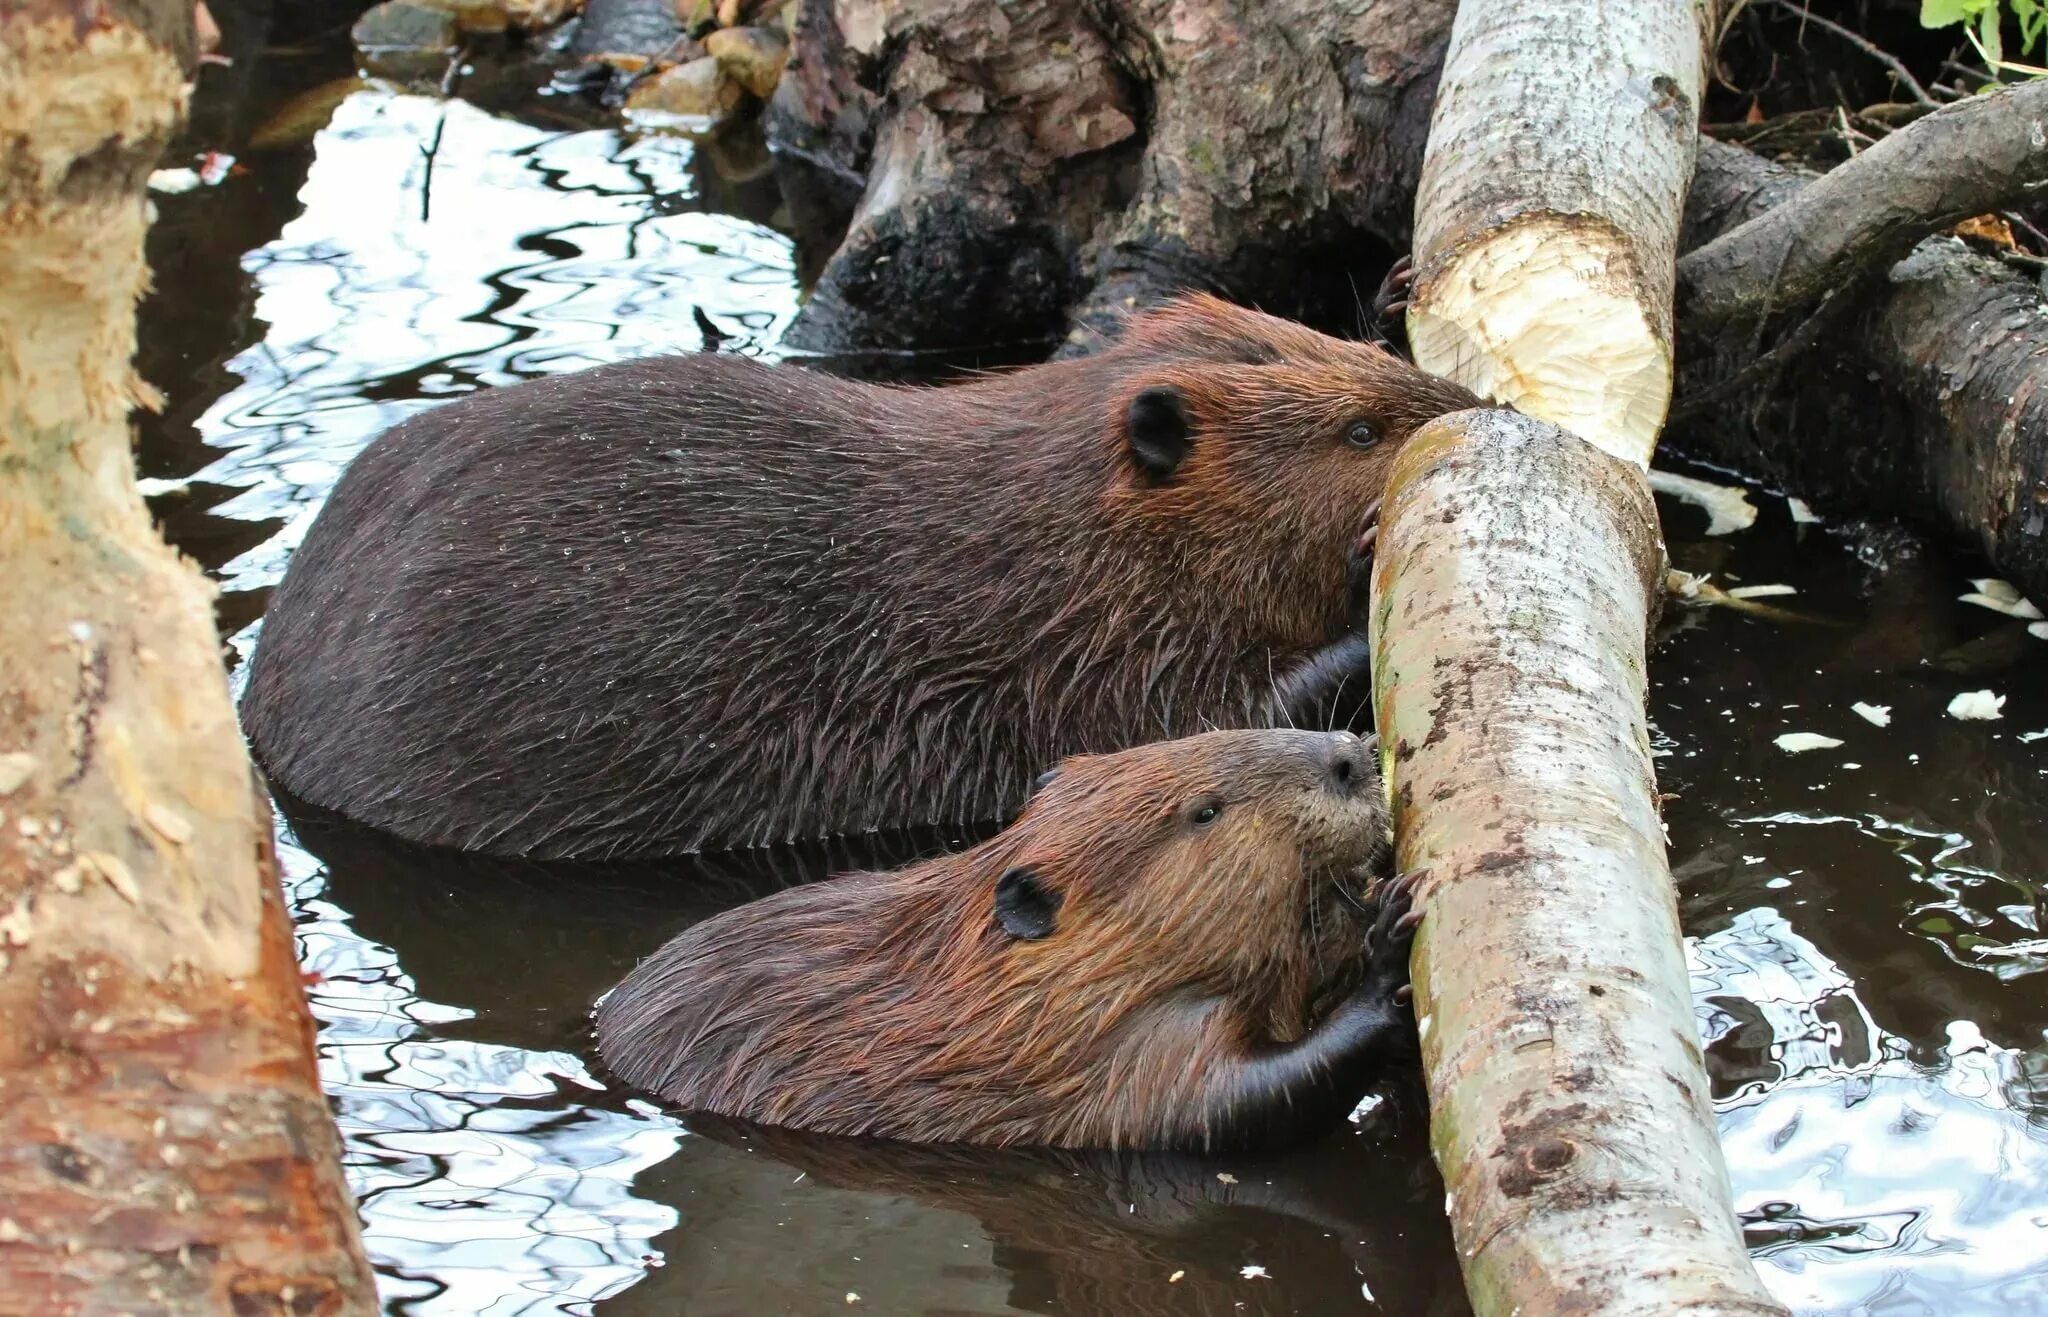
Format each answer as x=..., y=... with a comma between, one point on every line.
x=1026, y=907
x=1045, y=779
x=1157, y=428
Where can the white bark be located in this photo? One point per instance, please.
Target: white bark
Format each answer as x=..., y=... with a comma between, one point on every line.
x=1517, y=569
x=1546, y=221
x=1569, y=1104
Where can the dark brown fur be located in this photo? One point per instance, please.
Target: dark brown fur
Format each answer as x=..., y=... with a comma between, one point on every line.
x=1181, y=999
x=694, y=602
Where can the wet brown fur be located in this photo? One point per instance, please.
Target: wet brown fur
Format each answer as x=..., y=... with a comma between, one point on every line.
x=896, y=1005
x=695, y=602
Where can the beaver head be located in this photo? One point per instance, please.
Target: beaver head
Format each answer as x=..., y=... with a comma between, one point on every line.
x=1262, y=448
x=1137, y=961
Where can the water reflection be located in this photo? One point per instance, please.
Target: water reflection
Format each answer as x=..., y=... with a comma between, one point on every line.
x=441, y=250
x=1867, y=921
x=492, y=1179
x=1868, y=1182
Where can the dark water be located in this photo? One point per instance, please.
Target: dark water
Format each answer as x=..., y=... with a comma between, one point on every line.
x=1865, y=920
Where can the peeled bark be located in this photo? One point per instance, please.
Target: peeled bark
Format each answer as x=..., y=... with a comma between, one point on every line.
x=1925, y=398
x=164, y=1145
x=1512, y=589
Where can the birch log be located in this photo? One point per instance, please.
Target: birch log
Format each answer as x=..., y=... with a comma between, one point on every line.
x=164, y=1146
x=1517, y=568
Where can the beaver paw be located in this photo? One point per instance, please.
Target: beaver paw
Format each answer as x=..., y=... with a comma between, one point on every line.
x=1393, y=929
x=1390, y=302
x=1361, y=554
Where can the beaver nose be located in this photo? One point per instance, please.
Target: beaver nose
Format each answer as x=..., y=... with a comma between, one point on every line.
x=1347, y=764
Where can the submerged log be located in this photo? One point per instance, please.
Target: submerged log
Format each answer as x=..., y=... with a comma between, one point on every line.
x=1516, y=572
x=164, y=1145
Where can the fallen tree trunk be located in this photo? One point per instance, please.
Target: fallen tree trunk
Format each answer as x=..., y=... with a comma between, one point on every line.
x=164, y=1145
x=1512, y=591
x=1926, y=392
x=1962, y=160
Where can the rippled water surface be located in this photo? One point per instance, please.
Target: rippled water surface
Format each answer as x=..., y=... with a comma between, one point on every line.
x=1865, y=920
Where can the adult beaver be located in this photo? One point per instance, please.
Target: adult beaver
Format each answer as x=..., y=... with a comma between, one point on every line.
x=695, y=602
x=1165, y=950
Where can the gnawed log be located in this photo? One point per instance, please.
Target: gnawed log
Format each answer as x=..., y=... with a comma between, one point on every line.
x=164, y=1145
x=1569, y=1107
x=1516, y=570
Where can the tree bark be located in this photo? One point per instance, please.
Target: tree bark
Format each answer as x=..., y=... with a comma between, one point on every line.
x=1569, y=1105
x=1041, y=162
x=164, y=1146
x=1925, y=398
x=1512, y=590
x=1962, y=160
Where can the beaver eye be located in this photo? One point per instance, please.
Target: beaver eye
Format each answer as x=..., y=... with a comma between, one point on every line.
x=1362, y=434
x=1205, y=812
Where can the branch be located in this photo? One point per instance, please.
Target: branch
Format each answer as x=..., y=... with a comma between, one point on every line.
x=1964, y=159
x=1808, y=18
x=1927, y=400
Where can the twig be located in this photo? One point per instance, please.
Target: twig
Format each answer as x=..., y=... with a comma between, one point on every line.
x=2013, y=217
x=1864, y=44
x=453, y=73
x=1848, y=134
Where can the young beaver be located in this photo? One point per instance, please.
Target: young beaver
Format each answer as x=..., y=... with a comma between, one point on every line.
x=695, y=602
x=1159, y=953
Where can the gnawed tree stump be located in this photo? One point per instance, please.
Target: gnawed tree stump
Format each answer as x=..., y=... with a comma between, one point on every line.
x=164, y=1145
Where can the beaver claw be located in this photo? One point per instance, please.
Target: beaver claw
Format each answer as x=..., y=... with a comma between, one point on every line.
x=1393, y=928
x=1390, y=302
x=1362, y=551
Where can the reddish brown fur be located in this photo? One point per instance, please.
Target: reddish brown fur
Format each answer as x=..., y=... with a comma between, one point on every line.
x=695, y=603
x=896, y=1005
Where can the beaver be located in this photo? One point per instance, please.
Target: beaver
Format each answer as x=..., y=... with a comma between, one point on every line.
x=1168, y=949
x=696, y=602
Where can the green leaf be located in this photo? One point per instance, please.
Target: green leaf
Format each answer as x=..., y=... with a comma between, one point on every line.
x=2033, y=19
x=1946, y=13
x=1987, y=33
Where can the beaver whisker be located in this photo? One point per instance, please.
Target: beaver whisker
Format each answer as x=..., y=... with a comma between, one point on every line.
x=1344, y=893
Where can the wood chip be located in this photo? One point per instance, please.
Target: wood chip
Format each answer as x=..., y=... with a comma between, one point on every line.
x=117, y=873
x=15, y=767
x=169, y=823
